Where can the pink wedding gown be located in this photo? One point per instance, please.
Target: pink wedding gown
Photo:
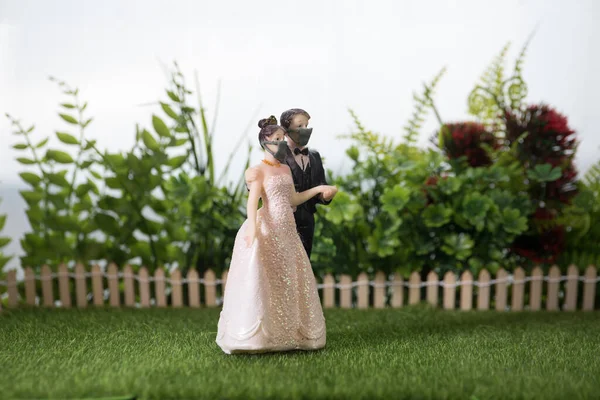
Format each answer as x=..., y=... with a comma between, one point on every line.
x=271, y=301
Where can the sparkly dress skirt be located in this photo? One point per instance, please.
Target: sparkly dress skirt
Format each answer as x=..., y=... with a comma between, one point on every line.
x=271, y=302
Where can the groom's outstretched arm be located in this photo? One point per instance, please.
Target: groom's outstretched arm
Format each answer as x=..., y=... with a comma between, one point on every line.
x=320, y=175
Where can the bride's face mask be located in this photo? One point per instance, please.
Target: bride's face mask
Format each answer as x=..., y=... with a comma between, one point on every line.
x=276, y=146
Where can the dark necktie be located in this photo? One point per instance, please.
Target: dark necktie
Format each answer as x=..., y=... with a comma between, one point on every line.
x=304, y=151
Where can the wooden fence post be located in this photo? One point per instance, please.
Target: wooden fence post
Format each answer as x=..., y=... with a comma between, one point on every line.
x=176, y=295
x=63, y=287
x=346, y=291
x=159, y=287
x=449, y=290
x=518, y=290
x=97, y=286
x=129, y=289
x=363, y=290
x=328, y=291
x=466, y=291
x=589, y=288
x=571, y=292
x=80, y=286
x=29, y=287
x=397, y=291
x=483, y=291
x=535, y=289
x=193, y=287
x=113, y=285
x=144, y=287
x=432, y=288
x=380, y=290
x=414, y=291
x=552, y=299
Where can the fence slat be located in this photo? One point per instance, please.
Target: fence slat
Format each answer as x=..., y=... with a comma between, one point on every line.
x=414, y=291
x=29, y=287
x=144, y=287
x=13, y=291
x=363, y=290
x=80, y=286
x=518, y=290
x=571, y=295
x=552, y=299
x=97, y=286
x=64, y=291
x=129, y=289
x=432, y=288
x=346, y=291
x=466, y=291
x=501, y=290
x=449, y=291
x=159, y=287
x=329, y=291
x=210, y=288
x=589, y=288
x=176, y=295
x=224, y=280
x=113, y=285
x=535, y=289
x=483, y=291
x=380, y=289
x=47, y=287
x=397, y=291
x=193, y=287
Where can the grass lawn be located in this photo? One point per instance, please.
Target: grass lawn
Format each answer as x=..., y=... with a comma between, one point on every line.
x=409, y=353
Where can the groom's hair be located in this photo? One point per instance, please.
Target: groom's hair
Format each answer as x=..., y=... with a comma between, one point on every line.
x=287, y=116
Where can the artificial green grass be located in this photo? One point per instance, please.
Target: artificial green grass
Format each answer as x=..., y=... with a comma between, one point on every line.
x=408, y=353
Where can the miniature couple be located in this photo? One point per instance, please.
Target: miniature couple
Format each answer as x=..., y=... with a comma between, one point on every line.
x=271, y=302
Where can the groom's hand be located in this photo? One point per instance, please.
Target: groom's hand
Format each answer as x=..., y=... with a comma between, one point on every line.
x=329, y=193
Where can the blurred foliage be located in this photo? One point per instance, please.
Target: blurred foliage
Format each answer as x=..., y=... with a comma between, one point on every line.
x=4, y=241
x=158, y=204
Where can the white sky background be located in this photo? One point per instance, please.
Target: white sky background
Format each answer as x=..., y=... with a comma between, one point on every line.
x=320, y=55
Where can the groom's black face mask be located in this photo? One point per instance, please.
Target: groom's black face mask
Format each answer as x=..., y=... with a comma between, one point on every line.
x=300, y=136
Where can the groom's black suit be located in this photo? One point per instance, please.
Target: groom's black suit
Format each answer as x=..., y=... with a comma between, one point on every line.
x=313, y=175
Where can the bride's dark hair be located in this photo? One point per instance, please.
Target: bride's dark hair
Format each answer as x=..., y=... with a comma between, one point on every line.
x=268, y=126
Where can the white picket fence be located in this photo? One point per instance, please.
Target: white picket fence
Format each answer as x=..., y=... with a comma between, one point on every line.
x=551, y=292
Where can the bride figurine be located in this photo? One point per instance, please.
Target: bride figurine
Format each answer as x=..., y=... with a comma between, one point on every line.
x=271, y=301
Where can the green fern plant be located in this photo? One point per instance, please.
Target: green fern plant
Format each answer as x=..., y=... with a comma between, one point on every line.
x=423, y=102
x=4, y=241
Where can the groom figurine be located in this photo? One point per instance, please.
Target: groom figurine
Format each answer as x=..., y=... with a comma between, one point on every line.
x=307, y=172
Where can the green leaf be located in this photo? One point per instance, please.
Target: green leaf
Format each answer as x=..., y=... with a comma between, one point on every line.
x=67, y=105
x=177, y=142
x=95, y=174
x=476, y=205
x=544, y=173
x=31, y=197
x=177, y=162
x=20, y=146
x=353, y=153
x=449, y=185
x=160, y=127
x=4, y=241
x=149, y=141
x=169, y=111
x=89, y=144
x=59, y=156
x=458, y=245
x=86, y=123
x=394, y=199
x=107, y=224
x=113, y=183
x=2, y=221
x=513, y=222
x=25, y=161
x=42, y=143
x=69, y=119
x=30, y=178
x=436, y=215
x=58, y=179
x=173, y=96
x=67, y=138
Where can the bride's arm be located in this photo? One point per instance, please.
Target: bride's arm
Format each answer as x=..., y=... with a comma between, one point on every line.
x=254, y=182
x=302, y=197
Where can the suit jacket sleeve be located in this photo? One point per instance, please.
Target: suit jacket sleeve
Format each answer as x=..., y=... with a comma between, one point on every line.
x=320, y=178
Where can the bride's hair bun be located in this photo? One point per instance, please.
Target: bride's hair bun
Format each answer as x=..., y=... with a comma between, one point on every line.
x=267, y=121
